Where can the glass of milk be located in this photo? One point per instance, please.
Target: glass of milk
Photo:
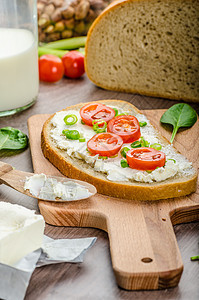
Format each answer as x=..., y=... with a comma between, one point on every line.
x=19, y=80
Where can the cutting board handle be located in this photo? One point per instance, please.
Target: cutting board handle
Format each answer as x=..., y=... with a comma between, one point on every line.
x=143, y=246
x=4, y=168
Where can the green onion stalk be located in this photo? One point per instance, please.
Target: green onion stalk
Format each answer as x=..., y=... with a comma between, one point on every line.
x=56, y=52
x=68, y=44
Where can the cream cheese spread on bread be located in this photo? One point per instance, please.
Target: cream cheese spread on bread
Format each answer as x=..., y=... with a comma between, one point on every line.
x=176, y=164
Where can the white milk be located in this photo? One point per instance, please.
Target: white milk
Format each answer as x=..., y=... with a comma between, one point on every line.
x=19, y=81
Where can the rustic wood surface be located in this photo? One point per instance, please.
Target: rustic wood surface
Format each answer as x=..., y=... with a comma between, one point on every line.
x=143, y=247
x=93, y=279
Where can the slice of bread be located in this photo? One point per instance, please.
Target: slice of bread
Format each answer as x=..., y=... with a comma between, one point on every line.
x=146, y=47
x=76, y=168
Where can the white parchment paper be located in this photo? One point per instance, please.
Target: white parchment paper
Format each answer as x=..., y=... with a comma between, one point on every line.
x=14, y=280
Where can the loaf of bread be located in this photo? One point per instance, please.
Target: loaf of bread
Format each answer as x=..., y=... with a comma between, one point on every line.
x=146, y=47
x=177, y=178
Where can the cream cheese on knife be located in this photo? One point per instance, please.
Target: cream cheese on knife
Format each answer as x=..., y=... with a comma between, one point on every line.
x=46, y=188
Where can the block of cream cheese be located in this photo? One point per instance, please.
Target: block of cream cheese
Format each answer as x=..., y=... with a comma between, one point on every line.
x=21, y=232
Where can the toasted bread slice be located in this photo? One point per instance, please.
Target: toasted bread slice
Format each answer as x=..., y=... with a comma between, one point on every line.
x=178, y=185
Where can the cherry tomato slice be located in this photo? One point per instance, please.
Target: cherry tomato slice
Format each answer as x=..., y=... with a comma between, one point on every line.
x=95, y=111
x=51, y=68
x=125, y=126
x=145, y=158
x=105, y=144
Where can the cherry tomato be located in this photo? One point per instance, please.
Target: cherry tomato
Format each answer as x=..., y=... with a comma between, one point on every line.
x=105, y=144
x=73, y=64
x=51, y=68
x=145, y=158
x=125, y=126
x=95, y=111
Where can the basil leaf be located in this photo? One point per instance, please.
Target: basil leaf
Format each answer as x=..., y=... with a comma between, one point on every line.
x=11, y=138
x=179, y=115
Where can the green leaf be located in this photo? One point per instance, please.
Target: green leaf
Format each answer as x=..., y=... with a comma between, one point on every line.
x=179, y=115
x=13, y=139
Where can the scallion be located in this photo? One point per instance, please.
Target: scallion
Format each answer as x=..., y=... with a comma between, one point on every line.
x=68, y=44
x=70, y=119
x=123, y=114
x=124, y=163
x=97, y=128
x=71, y=134
x=172, y=160
x=124, y=151
x=156, y=146
x=144, y=143
x=195, y=257
x=43, y=51
x=136, y=144
x=142, y=124
x=82, y=139
x=116, y=112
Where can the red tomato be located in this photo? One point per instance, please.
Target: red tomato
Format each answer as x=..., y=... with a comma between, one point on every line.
x=105, y=144
x=73, y=64
x=51, y=68
x=125, y=126
x=95, y=111
x=145, y=158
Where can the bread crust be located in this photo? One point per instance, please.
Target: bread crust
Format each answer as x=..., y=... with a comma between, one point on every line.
x=78, y=169
x=110, y=7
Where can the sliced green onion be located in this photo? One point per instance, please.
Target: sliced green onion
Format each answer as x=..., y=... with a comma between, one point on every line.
x=82, y=122
x=71, y=134
x=194, y=257
x=136, y=144
x=124, y=163
x=172, y=160
x=96, y=127
x=144, y=143
x=113, y=156
x=156, y=146
x=64, y=131
x=124, y=151
x=82, y=139
x=116, y=112
x=70, y=119
x=123, y=114
x=148, y=171
x=142, y=124
x=103, y=157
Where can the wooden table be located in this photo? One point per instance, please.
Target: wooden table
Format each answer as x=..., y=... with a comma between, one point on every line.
x=94, y=278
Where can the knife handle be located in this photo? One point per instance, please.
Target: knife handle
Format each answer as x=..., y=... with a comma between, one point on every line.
x=4, y=168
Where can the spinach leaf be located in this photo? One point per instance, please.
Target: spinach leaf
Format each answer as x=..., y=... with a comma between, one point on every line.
x=11, y=138
x=179, y=115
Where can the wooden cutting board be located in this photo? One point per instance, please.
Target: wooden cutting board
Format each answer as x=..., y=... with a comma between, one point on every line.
x=143, y=246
